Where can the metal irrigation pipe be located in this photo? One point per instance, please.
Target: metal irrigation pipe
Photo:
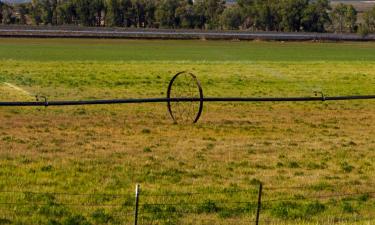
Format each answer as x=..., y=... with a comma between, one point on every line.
x=192, y=88
x=166, y=100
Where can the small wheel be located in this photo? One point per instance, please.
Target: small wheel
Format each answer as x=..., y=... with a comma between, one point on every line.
x=185, y=98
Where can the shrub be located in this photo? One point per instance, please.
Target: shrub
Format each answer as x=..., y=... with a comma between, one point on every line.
x=5, y=221
x=314, y=208
x=293, y=210
x=347, y=207
x=363, y=30
x=147, y=149
x=53, y=210
x=346, y=167
x=146, y=131
x=293, y=165
x=286, y=210
x=208, y=207
x=364, y=197
x=76, y=220
x=52, y=222
x=101, y=217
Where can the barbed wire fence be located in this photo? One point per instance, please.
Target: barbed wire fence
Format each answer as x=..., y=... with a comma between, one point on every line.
x=258, y=205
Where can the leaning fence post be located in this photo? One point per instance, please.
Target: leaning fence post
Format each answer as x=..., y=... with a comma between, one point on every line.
x=137, y=192
x=259, y=203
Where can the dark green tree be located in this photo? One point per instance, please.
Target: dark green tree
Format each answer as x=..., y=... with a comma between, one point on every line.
x=166, y=13
x=231, y=18
x=214, y=8
x=291, y=14
x=47, y=11
x=23, y=10
x=113, y=13
x=199, y=9
x=267, y=15
x=55, y=18
x=149, y=10
x=144, y=11
x=67, y=13
x=248, y=11
x=315, y=17
x=2, y=5
x=97, y=8
x=260, y=14
x=89, y=12
x=36, y=12
x=127, y=15
x=186, y=15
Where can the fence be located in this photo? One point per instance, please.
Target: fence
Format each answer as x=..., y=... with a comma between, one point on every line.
x=257, y=205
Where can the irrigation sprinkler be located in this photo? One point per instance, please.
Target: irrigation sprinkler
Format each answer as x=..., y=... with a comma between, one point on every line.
x=184, y=99
x=185, y=85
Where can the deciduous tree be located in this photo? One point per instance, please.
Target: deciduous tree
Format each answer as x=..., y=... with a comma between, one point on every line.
x=344, y=18
x=369, y=19
x=166, y=13
x=315, y=16
x=231, y=18
x=291, y=13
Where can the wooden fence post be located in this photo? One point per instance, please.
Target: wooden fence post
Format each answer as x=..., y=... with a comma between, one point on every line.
x=137, y=192
x=259, y=203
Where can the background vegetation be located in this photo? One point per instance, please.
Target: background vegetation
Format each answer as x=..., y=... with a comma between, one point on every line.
x=320, y=149
x=271, y=15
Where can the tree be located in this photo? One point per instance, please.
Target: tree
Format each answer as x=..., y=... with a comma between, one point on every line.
x=127, y=13
x=47, y=11
x=96, y=9
x=186, y=15
x=67, y=12
x=23, y=10
x=1, y=11
x=113, y=13
x=166, y=13
x=261, y=14
x=351, y=18
x=245, y=7
x=200, y=13
x=89, y=11
x=344, y=18
x=7, y=15
x=213, y=10
x=83, y=12
x=149, y=10
x=54, y=12
x=267, y=15
x=369, y=20
x=291, y=13
x=144, y=11
x=231, y=18
x=36, y=12
x=315, y=16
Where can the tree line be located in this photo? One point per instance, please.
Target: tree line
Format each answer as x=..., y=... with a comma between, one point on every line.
x=255, y=15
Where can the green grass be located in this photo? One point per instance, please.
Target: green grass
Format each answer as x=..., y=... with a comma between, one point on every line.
x=328, y=148
x=141, y=50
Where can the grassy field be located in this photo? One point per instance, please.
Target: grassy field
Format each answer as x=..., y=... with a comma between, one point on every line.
x=315, y=156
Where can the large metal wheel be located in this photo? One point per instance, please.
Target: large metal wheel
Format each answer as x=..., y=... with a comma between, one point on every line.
x=185, y=98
